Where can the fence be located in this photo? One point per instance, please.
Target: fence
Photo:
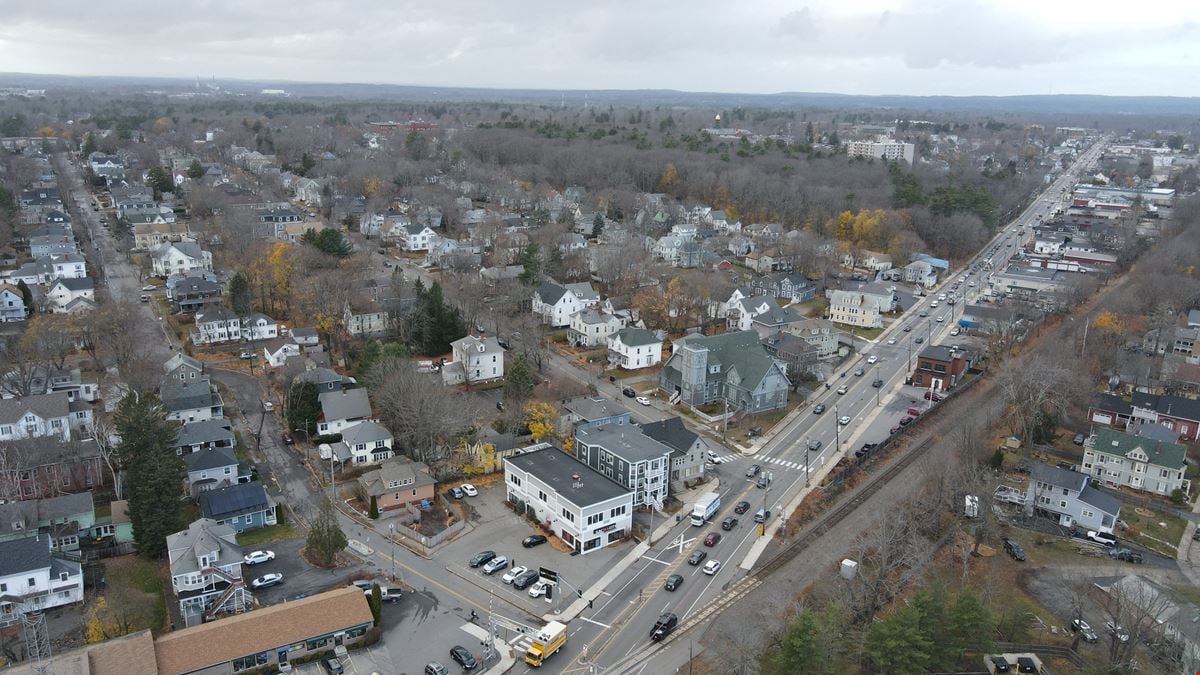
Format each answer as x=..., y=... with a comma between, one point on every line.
x=425, y=545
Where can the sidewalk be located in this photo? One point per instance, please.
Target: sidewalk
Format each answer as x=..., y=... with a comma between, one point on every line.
x=1189, y=562
x=507, y=660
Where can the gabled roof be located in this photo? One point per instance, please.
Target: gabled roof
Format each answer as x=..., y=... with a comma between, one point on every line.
x=1053, y=475
x=46, y=406
x=215, y=313
x=234, y=500
x=1101, y=500
x=672, y=433
x=27, y=515
x=205, y=431
x=201, y=536
x=1159, y=453
x=210, y=458
x=24, y=555
x=75, y=284
x=1165, y=404
x=591, y=408
x=396, y=470
x=179, y=395
x=637, y=337
x=550, y=293
x=345, y=404
x=738, y=350
x=366, y=432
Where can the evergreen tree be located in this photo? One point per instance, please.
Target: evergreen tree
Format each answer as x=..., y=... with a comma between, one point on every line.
x=971, y=625
x=89, y=144
x=26, y=296
x=896, y=645
x=530, y=260
x=303, y=406
x=153, y=471
x=325, y=536
x=376, y=603
x=597, y=225
x=518, y=381
x=799, y=651
x=931, y=603
x=8, y=205
x=306, y=164
x=436, y=324
x=195, y=170
x=374, y=510
x=160, y=179
x=239, y=294
x=328, y=241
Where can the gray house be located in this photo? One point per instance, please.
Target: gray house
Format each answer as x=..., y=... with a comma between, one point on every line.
x=687, y=449
x=214, y=468
x=1068, y=497
x=731, y=367
x=195, y=436
x=629, y=457
x=587, y=412
x=243, y=506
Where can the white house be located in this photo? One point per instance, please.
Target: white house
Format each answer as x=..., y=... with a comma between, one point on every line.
x=206, y=570
x=341, y=410
x=556, y=303
x=66, y=296
x=851, y=308
x=36, y=416
x=868, y=260
x=580, y=506
x=1126, y=460
x=12, y=303
x=278, y=351
x=475, y=359
x=633, y=348
x=259, y=326
x=364, y=443
x=178, y=257
x=34, y=579
x=215, y=325
x=46, y=269
x=417, y=237
x=591, y=327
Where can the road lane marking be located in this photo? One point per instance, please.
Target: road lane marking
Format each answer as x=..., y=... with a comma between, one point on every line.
x=602, y=625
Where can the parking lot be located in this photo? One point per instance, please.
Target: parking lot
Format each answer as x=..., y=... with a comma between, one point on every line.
x=300, y=579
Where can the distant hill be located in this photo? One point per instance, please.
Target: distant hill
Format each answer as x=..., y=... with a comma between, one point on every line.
x=1070, y=104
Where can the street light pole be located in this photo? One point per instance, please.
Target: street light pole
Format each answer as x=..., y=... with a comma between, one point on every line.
x=837, y=429
x=807, y=448
x=392, y=542
x=877, y=388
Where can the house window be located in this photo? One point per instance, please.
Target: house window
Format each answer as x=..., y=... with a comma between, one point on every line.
x=32, y=582
x=66, y=481
x=63, y=576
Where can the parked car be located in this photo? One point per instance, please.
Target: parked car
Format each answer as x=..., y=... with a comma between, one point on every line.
x=933, y=396
x=463, y=657
x=1102, y=538
x=435, y=668
x=495, y=565
x=257, y=557
x=287, y=438
x=1085, y=631
x=1014, y=549
x=864, y=450
x=1117, y=631
x=872, y=358
x=643, y=400
x=455, y=493
x=729, y=523
x=267, y=580
x=753, y=470
x=673, y=582
x=712, y=538
x=891, y=341
x=1000, y=664
x=246, y=356
x=629, y=391
x=333, y=666
x=743, y=507
x=538, y=589
x=697, y=557
x=511, y=575
x=818, y=408
x=533, y=540
x=469, y=490
x=149, y=288
x=711, y=567
x=524, y=579
x=1079, y=439
x=481, y=558
x=905, y=421
x=267, y=405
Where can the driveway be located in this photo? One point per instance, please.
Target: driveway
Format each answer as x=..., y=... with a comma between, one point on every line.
x=300, y=579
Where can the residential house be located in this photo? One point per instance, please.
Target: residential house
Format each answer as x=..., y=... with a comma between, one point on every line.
x=36, y=416
x=1179, y=414
x=109, y=167
x=298, y=630
x=215, y=325
x=939, y=367
x=417, y=237
x=592, y=327
x=589, y=412
x=12, y=303
x=242, y=506
x=688, y=450
x=791, y=286
x=629, y=457
x=761, y=314
x=190, y=294
x=868, y=260
x=68, y=296
x=183, y=367
x=294, y=232
x=64, y=518
x=153, y=234
x=557, y=303
x=307, y=190
x=278, y=351
x=33, y=579
x=214, y=468
x=259, y=326
x=495, y=275
x=1126, y=460
x=191, y=400
x=36, y=468
x=325, y=379
x=802, y=346
x=206, y=571
x=1069, y=498
x=1185, y=340
x=43, y=271
x=1164, y=617
x=341, y=410
x=475, y=359
x=192, y=437
x=178, y=257
x=573, y=501
x=853, y=308
x=42, y=246
x=398, y=481
x=634, y=348
x=364, y=443
x=365, y=319
x=731, y=367
x=39, y=380
x=305, y=336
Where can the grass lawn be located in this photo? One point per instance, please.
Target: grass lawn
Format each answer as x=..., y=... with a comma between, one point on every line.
x=1145, y=530
x=240, y=450
x=814, y=307
x=264, y=535
x=133, y=596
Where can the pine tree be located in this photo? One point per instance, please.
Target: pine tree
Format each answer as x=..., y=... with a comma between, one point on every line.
x=26, y=296
x=89, y=145
x=799, y=651
x=374, y=511
x=154, y=472
x=195, y=170
x=303, y=406
x=896, y=644
x=518, y=381
x=597, y=225
x=376, y=603
x=159, y=179
x=239, y=294
x=325, y=536
x=529, y=259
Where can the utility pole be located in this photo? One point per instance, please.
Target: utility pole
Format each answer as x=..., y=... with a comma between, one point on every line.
x=837, y=429
x=807, y=448
x=877, y=388
x=392, y=542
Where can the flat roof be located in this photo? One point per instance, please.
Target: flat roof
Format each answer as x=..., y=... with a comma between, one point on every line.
x=573, y=480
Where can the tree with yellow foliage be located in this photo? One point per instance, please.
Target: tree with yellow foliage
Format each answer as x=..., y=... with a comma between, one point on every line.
x=539, y=418
x=669, y=180
x=372, y=186
x=47, y=132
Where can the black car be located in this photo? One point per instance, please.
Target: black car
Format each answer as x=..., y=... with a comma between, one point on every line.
x=482, y=558
x=1000, y=664
x=525, y=580
x=629, y=391
x=1026, y=665
x=864, y=450
x=533, y=540
x=674, y=581
x=743, y=507
x=908, y=329
x=697, y=557
x=663, y=627
x=919, y=340
x=818, y=408
x=877, y=384
x=729, y=523
x=1014, y=549
x=463, y=657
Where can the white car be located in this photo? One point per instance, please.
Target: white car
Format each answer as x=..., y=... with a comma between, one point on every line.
x=246, y=356
x=872, y=358
x=267, y=580
x=843, y=420
x=891, y=341
x=711, y=567
x=842, y=390
x=941, y=319
x=955, y=331
x=267, y=405
x=643, y=400
x=512, y=574
x=538, y=590
x=257, y=557
x=469, y=490
x=972, y=284
x=933, y=305
x=148, y=288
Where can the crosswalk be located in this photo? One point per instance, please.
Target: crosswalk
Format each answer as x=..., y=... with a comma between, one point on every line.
x=783, y=462
x=521, y=643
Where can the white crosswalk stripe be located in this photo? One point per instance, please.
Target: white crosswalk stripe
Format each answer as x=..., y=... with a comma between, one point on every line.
x=521, y=642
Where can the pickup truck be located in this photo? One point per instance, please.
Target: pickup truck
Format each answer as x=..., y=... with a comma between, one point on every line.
x=663, y=627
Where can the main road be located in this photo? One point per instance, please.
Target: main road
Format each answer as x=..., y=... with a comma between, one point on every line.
x=616, y=630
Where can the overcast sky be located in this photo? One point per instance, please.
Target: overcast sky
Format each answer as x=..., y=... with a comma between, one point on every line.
x=921, y=47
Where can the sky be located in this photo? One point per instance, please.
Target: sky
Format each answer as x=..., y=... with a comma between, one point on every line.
x=914, y=47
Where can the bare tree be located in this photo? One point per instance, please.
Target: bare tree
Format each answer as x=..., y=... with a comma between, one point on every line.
x=422, y=413
x=1033, y=389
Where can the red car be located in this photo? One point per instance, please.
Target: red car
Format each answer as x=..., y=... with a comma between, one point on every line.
x=933, y=396
x=712, y=538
